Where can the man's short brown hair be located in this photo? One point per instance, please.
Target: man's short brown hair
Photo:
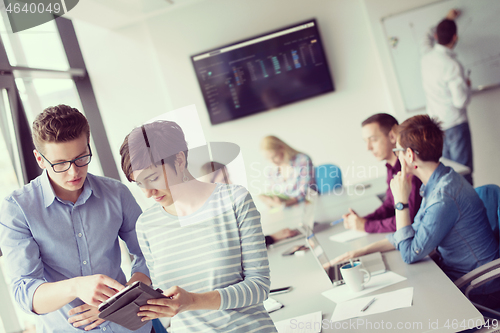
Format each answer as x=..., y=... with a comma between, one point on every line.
x=59, y=123
x=422, y=134
x=385, y=121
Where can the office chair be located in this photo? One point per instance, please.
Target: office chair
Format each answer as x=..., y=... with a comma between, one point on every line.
x=158, y=326
x=490, y=195
x=328, y=177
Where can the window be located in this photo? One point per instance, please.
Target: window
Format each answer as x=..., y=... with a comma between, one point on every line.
x=8, y=179
x=37, y=47
x=36, y=72
x=40, y=69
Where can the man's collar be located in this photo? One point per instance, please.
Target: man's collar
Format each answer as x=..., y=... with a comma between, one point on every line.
x=89, y=184
x=47, y=190
x=88, y=190
x=397, y=165
x=436, y=175
x=49, y=195
x=444, y=49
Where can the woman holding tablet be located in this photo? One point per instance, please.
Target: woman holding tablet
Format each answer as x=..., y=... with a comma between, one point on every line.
x=203, y=243
x=452, y=218
x=291, y=176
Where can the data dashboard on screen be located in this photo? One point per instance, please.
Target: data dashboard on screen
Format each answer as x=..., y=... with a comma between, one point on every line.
x=264, y=72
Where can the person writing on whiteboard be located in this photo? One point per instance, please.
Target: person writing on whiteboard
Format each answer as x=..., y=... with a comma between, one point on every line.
x=452, y=218
x=447, y=90
x=291, y=176
x=379, y=133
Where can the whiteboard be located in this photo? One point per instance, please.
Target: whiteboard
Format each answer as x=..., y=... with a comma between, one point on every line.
x=478, y=47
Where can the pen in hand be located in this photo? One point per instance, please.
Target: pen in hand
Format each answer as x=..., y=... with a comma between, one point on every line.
x=368, y=305
x=337, y=221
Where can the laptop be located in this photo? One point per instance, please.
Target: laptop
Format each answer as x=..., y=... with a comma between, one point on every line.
x=307, y=219
x=374, y=263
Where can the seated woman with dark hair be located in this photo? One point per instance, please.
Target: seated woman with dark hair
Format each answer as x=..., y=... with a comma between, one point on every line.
x=452, y=218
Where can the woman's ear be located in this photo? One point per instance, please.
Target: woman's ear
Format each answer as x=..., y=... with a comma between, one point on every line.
x=283, y=153
x=180, y=161
x=411, y=155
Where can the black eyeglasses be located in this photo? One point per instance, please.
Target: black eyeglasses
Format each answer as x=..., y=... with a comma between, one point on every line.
x=396, y=151
x=65, y=165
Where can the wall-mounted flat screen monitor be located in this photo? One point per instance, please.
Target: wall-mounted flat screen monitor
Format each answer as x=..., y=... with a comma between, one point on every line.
x=264, y=72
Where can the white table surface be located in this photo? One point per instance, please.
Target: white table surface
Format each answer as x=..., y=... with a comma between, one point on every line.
x=436, y=300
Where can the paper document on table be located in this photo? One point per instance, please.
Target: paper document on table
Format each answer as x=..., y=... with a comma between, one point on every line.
x=347, y=236
x=309, y=323
x=276, y=209
x=344, y=293
x=271, y=305
x=401, y=298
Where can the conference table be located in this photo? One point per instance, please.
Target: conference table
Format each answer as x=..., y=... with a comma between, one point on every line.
x=432, y=288
x=438, y=306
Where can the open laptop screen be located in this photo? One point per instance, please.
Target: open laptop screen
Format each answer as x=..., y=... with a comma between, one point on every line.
x=309, y=209
x=318, y=251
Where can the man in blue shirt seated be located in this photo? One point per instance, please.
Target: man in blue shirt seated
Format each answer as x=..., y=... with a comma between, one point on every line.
x=452, y=218
x=59, y=233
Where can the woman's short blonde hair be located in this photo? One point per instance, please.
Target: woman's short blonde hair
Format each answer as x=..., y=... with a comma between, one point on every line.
x=272, y=143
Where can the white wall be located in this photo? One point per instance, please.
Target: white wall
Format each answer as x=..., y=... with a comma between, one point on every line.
x=144, y=69
x=325, y=127
x=483, y=114
x=126, y=81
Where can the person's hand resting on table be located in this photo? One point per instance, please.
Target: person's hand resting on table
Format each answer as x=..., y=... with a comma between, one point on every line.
x=283, y=234
x=353, y=221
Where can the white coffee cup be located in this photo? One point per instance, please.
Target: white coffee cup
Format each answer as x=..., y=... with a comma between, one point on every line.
x=354, y=276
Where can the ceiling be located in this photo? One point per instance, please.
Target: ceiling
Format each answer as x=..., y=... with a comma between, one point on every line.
x=115, y=14
x=134, y=7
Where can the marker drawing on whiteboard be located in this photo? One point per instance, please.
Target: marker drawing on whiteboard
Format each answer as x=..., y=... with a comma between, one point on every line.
x=394, y=42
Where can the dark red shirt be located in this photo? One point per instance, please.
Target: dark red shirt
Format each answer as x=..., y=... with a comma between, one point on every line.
x=384, y=218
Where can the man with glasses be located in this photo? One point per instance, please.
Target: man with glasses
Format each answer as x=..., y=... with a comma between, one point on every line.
x=59, y=234
x=379, y=133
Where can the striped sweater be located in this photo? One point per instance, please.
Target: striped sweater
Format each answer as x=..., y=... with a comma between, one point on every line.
x=219, y=247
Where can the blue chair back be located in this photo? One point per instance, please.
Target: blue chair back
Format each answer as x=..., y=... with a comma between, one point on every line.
x=158, y=326
x=490, y=195
x=328, y=177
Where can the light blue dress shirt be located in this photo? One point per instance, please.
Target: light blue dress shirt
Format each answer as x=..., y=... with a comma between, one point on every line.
x=46, y=239
x=452, y=218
